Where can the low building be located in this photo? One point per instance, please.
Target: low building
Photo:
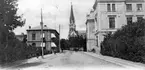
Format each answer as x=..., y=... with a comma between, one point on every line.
x=21, y=37
x=34, y=36
x=82, y=33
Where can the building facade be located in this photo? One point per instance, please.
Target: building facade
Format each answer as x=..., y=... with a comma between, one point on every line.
x=34, y=36
x=21, y=37
x=90, y=32
x=111, y=15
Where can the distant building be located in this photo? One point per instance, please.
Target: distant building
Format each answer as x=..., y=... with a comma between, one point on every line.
x=82, y=33
x=34, y=36
x=110, y=15
x=21, y=37
x=72, y=26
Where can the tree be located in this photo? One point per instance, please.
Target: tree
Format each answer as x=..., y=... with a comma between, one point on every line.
x=127, y=42
x=10, y=47
x=78, y=42
x=9, y=19
x=64, y=44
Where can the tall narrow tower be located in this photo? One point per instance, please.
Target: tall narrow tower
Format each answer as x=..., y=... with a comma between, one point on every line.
x=72, y=26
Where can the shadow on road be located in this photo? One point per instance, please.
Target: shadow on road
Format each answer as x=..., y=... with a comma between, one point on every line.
x=28, y=65
x=6, y=65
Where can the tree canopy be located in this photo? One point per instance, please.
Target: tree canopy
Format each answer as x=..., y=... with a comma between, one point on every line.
x=128, y=42
x=10, y=48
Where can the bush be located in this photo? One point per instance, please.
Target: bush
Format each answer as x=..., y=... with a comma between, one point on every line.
x=127, y=42
x=17, y=50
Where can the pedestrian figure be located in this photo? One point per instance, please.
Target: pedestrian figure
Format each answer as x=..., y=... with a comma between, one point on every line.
x=53, y=46
x=37, y=52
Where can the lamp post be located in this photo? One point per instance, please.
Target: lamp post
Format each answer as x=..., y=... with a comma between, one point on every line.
x=41, y=23
x=59, y=40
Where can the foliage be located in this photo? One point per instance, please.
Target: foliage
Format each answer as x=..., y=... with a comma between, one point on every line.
x=64, y=44
x=127, y=42
x=77, y=42
x=11, y=49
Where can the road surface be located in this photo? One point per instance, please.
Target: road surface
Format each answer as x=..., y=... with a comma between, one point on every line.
x=68, y=61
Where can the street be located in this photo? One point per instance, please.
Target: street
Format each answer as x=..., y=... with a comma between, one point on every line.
x=69, y=61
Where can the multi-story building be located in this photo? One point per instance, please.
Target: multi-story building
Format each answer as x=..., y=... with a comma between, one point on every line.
x=35, y=37
x=111, y=15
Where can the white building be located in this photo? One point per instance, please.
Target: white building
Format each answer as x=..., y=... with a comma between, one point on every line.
x=90, y=31
x=111, y=15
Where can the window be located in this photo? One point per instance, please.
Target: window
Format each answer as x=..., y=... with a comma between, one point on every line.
x=112, y=22
x=129, y=20
x=129, y=7
x=139, y=18
x=108, y=7
x=113, y=7
x=33, y=36
x=139, y=7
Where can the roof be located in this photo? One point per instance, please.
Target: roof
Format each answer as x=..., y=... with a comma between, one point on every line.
x=95, y=4
x=20, y=35
x=39, y=28
x=82, y=32
x=121, y=0
x=109, y=0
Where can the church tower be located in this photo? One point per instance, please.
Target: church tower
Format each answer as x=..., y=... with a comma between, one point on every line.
x=72, y=26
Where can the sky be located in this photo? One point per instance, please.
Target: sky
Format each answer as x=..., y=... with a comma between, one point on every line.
x=55, y=12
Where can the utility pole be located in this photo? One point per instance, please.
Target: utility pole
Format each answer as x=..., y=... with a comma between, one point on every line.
x=59, y=40
x=41, y=23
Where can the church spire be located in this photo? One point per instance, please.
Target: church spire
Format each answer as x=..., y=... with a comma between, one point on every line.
x=72, y=19
x=72, y=26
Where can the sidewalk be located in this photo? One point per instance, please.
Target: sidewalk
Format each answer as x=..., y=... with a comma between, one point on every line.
x=25, y=61
x=125, y=63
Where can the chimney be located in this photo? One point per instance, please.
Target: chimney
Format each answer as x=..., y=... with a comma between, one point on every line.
x=29, y=27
